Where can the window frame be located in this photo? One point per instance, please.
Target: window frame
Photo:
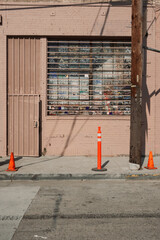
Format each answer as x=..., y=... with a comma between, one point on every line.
x=124, y=40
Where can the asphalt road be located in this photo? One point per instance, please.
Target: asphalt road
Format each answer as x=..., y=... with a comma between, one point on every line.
x=75, y=209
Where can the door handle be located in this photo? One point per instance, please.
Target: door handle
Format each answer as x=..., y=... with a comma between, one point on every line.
x=35, y=123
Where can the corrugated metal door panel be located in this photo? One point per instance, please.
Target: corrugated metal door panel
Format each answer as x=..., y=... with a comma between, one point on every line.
x=27, y=69
x=16, y=66
x=23, y=125
x=23, y=96
x=23, y=65
x=10, y=66
x=37, y=66
x=10, y=124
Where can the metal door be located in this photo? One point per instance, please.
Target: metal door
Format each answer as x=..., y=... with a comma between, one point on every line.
x=23, y=125
x=23, y=96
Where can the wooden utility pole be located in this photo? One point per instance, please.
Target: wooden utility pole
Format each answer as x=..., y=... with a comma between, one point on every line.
x=136, y=83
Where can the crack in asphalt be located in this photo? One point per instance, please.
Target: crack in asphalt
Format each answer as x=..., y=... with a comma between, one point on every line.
x=10, y=218
x=94, y=216
x=56, y=210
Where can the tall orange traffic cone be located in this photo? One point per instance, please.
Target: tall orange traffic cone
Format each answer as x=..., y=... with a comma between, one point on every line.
x=150, y=162
x=11, y=166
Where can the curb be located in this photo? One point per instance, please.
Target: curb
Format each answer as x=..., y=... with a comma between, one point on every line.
x=36, y=177
x=143, y=176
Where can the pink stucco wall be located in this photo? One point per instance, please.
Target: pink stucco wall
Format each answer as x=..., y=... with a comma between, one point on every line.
x=78, y=135
x=157, y=85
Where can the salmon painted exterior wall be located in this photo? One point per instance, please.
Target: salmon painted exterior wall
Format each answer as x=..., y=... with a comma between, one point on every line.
x=77, y=135
x=157, y=85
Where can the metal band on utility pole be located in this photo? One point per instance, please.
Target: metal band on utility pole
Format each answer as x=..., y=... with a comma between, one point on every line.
x=152, y=49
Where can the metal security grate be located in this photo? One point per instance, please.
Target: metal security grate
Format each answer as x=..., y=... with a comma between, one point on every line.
x=88, y=77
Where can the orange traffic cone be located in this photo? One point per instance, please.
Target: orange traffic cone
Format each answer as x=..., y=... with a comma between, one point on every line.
x=150, y=162
x=11, y=166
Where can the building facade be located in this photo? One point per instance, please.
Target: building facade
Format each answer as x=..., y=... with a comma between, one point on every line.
x=65, y=69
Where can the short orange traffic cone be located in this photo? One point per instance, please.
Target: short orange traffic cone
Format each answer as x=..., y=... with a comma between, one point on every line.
x=11, y=166
x=150, y=162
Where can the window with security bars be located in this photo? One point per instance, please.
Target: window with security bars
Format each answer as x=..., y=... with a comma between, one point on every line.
x=88, y=77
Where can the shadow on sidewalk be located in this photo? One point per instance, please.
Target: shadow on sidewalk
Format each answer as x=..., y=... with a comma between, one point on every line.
x=104, y=164
x=7, y=161
x=38, y=162
x=46, y=160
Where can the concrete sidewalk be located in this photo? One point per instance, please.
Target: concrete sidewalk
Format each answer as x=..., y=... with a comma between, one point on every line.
x=43, y=168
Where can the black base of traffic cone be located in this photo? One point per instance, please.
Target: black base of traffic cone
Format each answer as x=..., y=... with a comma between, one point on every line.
x=99, y=170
